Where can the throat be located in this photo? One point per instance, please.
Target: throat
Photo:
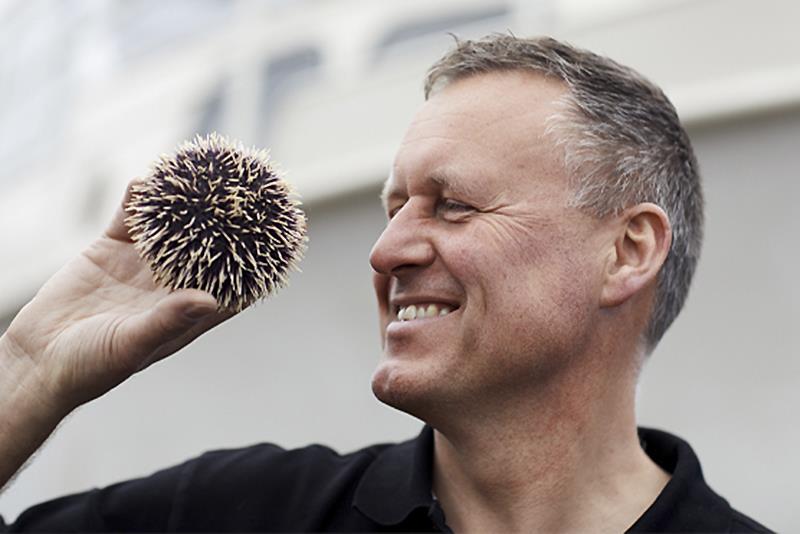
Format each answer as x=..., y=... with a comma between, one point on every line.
x=561, y=480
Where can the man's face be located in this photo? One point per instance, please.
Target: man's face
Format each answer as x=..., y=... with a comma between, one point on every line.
x=479, y=225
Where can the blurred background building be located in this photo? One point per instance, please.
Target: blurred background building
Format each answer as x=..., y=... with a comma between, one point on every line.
x=91, y=91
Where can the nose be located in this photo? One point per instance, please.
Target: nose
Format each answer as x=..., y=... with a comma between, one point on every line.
x=404, y=243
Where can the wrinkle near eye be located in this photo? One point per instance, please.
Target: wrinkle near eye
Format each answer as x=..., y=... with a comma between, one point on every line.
x=506, y=224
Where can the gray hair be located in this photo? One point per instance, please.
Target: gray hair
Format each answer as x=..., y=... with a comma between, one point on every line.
x=623, y=141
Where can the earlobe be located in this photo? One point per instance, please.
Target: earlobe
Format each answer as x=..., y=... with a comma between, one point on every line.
x=639, y=250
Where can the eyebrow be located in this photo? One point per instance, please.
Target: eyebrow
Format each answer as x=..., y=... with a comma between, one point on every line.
x=442, y=179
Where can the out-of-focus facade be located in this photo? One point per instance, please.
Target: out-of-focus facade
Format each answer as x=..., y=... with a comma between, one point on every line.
x=91, y=91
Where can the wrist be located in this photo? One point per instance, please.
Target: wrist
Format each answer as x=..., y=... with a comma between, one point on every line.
x=27, y=417
x=23, y=390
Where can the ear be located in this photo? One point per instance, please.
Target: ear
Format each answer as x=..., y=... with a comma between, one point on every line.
x=639, y=250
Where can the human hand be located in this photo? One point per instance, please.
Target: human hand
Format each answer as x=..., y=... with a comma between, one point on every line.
x=100, y=319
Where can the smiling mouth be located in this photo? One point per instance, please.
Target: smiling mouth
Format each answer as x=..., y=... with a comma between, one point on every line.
x=423, y=311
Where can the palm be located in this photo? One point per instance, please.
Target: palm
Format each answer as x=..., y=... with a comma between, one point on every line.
x=91, y=301
x=102, y=318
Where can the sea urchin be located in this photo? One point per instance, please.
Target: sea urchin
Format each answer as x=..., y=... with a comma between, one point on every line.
x=217, y=217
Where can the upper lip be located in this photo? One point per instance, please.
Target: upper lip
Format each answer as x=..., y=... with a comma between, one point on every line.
x=406, y=300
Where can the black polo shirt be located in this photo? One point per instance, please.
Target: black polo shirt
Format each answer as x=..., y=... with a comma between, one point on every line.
x=379, y=488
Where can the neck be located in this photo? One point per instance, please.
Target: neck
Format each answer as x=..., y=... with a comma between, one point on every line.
x=566, y=458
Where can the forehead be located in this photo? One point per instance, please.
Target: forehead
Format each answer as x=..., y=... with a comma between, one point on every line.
x=487, y=128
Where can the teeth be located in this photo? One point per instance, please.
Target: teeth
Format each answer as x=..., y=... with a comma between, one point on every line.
x=422, y=311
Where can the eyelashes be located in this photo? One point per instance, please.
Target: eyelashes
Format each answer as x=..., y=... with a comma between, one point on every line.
x=450, y=205
x=443, y=208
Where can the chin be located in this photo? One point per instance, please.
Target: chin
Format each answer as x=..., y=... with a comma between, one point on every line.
x=404, y=388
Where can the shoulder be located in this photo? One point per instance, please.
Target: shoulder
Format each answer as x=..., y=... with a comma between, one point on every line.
x=743, y=523
x=687, y=502
x=271, y=467
x=270, y=457
x=268, y=487
x=262, y=487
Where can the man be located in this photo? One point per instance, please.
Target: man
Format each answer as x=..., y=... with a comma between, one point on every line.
x=545, y=219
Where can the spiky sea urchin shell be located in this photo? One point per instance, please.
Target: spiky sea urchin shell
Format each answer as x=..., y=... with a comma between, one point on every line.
x=218, y=217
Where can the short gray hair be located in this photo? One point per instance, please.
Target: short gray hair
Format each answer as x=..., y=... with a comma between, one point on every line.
x=623, y=141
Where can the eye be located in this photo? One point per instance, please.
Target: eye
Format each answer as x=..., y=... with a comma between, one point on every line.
x=453, y=206
x=392, y=211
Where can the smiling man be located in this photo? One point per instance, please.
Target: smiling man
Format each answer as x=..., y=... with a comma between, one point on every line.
x=529, y=379
x=544, y=221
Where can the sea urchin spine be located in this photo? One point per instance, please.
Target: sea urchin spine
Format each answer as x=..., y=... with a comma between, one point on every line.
x=218, y=217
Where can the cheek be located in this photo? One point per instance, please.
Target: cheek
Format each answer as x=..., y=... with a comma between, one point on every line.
x=500, y=255
x=510, y=269
x=535, y=285
x=557, y=305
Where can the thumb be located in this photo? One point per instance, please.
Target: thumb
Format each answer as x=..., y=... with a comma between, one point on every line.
x=175, y=317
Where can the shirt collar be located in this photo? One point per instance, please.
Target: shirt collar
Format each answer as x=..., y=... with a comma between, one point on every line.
x=398, y=481
x=686, y=503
